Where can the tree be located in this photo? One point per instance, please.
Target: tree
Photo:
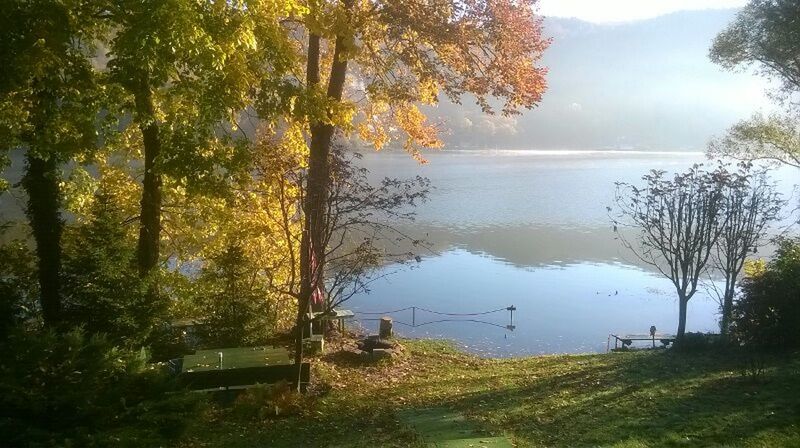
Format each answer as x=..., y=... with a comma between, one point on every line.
x=102, y=291
x=765, y=34
x=49, y=104
x=360, y=216
x=404, y=53
x=234, y=301
x=188, y=68
x=749, y=203
x=361, y=234
x=675, y=225
x=772, y=138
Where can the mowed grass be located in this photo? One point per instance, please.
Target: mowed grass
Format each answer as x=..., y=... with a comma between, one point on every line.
x=635, y=399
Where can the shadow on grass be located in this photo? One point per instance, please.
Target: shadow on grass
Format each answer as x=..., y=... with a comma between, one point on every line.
x=659, y=399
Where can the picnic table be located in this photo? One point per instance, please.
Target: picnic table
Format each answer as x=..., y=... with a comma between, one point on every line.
x=239, y=367
x=338, y=315
x=235, y=358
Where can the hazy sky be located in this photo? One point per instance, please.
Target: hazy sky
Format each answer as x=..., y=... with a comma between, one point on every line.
x=640, y=84
x=604, y=11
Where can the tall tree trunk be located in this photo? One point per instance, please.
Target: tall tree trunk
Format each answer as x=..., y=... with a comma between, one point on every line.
x=682, y=305
x=150, y=215
x=304, y=298
x=41, y=182
x=313, y=242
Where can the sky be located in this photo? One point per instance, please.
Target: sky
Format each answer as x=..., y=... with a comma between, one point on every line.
x=612, y=11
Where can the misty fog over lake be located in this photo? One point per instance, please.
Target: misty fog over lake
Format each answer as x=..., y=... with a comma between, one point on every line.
x=529, y=229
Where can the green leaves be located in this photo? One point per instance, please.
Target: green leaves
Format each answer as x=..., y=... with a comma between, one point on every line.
x=764, y=34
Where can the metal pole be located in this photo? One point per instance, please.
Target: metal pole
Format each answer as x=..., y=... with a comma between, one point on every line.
x=413, y=316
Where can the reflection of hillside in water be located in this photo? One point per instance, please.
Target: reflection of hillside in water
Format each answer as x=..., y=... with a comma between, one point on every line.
x=534, y=246
x=523, y=246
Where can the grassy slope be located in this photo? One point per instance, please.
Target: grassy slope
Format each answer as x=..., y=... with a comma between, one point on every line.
x=627, y=400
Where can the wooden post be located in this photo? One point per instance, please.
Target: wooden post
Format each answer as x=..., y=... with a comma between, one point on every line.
x=385, y=328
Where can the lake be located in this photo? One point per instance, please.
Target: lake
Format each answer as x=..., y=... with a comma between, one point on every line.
x=529, y=229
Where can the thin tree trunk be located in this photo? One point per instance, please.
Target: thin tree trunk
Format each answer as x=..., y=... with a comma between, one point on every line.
x=150, y=216
x=41, y=182
x=682, y=302
x=727, y=312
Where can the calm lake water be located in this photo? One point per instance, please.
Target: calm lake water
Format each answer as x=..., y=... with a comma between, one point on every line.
x=529, y=229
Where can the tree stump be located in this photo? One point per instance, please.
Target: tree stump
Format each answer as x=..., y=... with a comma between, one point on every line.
x=385, y=328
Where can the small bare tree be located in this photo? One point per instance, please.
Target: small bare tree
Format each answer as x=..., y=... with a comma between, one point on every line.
x=359, y=228
x=674, y=226
x=361, y=231
x=750, y=203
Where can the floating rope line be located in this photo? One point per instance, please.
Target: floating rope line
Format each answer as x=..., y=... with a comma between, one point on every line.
x=414, y=323
x=505, y=327
x=464, y=314
x=383, y=312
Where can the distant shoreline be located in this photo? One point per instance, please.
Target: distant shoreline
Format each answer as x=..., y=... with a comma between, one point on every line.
x=540, y=152
x=568, y=152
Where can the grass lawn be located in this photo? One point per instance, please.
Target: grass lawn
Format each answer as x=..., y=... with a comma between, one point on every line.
x=635, y=399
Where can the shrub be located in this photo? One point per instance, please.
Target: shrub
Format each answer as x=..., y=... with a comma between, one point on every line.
x=265, y=401
x=767, y=315
x=699, y=342
x=74, y=389
x=19, y=288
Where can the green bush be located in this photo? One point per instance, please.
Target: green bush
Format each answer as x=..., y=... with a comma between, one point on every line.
x=699, y=342
x=767, y=315
x=74, y=389
x=19, y=288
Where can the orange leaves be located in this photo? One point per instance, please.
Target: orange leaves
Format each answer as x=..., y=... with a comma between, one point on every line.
x=411, y=120
x=402, y=54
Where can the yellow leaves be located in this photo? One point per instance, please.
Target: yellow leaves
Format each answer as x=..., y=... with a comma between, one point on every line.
x=428, y=91
x=78, y=191
x=341, y=114
x=754, y=268
x=373, y=128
